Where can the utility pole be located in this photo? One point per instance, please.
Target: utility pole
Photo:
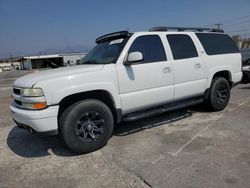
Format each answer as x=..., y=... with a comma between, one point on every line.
x=218, y=25
x=67, y=45
x=11, y=58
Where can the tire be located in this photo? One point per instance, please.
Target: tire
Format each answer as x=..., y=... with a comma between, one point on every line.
x=219, y=94
x=86, y=126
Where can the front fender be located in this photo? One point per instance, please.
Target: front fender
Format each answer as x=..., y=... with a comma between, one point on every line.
x=57, y=88
x=64, y=92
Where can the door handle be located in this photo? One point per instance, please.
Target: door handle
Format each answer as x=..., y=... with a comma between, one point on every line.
x=197, y=65
x=167, y=70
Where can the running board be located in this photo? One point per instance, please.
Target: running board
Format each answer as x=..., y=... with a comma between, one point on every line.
x=162, y=109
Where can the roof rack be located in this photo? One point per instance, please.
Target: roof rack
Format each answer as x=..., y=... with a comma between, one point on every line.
x=111, y=36
x=200, y=29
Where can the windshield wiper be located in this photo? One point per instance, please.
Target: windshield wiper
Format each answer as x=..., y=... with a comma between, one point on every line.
x=90, y=62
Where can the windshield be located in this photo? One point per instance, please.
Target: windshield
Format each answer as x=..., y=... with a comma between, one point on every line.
x=105, y=53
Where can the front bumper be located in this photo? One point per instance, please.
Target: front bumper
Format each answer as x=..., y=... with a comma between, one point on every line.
x=40, y=121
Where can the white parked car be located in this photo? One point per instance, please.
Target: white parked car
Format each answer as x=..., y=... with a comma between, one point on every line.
x=128, y=76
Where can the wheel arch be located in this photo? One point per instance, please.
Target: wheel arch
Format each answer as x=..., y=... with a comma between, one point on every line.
x=101, y=95
x=222, y=72
x=225, y=73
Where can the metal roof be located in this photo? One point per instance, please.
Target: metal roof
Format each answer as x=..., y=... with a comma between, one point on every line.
x=52, y=56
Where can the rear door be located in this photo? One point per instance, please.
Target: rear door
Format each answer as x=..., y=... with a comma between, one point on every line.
x=189, y=70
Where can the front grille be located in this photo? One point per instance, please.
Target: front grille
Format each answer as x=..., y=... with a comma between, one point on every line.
x=17, y=91
x=16, y=96
x=18, y=102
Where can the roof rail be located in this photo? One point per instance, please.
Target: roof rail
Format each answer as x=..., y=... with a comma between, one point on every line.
x=200, y=29
x=115, y=35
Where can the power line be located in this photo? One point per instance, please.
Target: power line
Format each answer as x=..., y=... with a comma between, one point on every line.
x=241, y=30
x=239, y=18
x=244, y=33
x=236, y=24
x=230, y=20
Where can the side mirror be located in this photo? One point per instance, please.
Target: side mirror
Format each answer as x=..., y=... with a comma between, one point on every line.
x=133, y=57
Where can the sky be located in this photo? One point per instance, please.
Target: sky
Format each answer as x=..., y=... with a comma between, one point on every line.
x=39, y=26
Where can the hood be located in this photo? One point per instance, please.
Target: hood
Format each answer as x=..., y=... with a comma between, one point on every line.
x=31, y=79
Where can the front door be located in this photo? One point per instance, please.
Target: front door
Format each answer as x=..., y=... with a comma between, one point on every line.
x=149, y=82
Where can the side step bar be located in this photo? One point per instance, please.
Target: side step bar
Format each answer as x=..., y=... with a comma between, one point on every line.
x=162, y=109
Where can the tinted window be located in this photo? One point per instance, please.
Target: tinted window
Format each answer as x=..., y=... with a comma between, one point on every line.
x=151, y=48
x=182, y=46
x=105, y=52
x=217, y=43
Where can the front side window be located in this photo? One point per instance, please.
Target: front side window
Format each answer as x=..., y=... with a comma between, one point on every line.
x=182, y=46
x=105, y=52
x=151, y=48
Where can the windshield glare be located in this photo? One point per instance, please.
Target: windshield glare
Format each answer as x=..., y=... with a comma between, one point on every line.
x=105, y=53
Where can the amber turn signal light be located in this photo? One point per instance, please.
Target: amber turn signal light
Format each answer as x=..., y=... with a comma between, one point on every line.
x=40, y=105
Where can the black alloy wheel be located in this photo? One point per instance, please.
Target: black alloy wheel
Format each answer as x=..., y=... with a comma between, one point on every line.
x=219, y=94
x=86, y=126
x=90, y=126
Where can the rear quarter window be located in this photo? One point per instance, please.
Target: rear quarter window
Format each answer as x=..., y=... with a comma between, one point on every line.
x=215, y=44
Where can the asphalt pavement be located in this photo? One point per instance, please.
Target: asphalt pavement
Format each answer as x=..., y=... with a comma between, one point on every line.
x=187, y=148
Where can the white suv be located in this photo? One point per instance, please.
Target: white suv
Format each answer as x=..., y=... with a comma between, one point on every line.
x=128, y=76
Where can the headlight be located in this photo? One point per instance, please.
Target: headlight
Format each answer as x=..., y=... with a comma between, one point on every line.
x=32, y=92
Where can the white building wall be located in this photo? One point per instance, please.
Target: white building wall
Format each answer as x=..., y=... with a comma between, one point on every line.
x=10, y=66
x=68, y=59
x=26, y=64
